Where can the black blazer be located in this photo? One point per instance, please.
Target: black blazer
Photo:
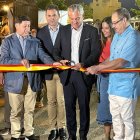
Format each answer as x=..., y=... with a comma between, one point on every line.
x=89, y=49
x=44, y=36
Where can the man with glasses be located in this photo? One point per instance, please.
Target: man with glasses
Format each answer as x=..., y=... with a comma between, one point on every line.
x=77, y=44
x=123, y=87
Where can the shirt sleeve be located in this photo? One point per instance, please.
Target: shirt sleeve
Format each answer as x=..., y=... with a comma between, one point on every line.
x=131, y=49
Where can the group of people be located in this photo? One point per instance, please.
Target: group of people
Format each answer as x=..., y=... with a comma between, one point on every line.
x=80, y=46
x=118, y=95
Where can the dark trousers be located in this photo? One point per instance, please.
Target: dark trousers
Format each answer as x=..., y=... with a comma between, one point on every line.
x=76, y=88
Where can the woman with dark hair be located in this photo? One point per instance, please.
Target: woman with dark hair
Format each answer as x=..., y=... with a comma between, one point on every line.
x=103, y=112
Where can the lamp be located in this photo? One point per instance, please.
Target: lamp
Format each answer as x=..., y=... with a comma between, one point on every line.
x=5, y=7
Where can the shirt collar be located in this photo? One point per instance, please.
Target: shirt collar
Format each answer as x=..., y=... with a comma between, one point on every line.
x=80, y=28
x=126, y=30
x=55, y=29
x=19, y=36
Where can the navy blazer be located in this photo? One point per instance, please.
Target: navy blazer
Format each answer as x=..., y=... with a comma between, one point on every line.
x=44, y=36
x=89, y=50
x=11, y=53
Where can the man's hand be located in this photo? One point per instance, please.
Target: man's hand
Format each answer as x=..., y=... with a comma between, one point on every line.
x=57, y=64
x=64, y=62
x=25, y=63
x=77, y=66
x=1, y=79
x=92, y=70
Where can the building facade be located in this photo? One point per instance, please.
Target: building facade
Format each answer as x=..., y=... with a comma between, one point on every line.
x=103, y=8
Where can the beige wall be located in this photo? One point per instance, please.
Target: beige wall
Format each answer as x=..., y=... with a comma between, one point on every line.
x=103, y=8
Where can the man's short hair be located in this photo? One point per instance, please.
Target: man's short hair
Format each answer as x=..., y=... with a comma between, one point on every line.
x=19, y=19
x=123, y=12
x=53, y=7
x=76, y=7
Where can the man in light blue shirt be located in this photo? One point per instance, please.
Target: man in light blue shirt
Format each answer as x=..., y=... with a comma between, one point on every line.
x=125, y=46
x=123, y=87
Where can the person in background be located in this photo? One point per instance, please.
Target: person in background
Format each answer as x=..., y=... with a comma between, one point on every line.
x=20, y=48
x=5, y=30
x=78, y=45
x=55, y=95
x=97, y=24
x=123, y=88
x=138, y=27
x=33, y=32
x=103, y=111
x=7, y=110
x=40, y=94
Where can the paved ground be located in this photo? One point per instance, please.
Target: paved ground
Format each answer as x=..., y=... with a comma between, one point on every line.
x=95, y=132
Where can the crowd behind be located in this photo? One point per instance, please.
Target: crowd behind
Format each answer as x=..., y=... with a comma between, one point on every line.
x=114, y=44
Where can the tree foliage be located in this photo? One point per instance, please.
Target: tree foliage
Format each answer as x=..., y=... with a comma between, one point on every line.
x=137, y=2
x=62, y=6
x=88, y=11
x=137, y=12
x=43, y=3
x=60, y=3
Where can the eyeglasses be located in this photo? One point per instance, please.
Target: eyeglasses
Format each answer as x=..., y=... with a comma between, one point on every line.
x=114, y=23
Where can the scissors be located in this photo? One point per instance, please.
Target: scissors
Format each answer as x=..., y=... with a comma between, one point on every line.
x=70, y=63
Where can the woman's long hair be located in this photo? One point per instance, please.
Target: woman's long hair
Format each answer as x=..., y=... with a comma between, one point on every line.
x=103, y=38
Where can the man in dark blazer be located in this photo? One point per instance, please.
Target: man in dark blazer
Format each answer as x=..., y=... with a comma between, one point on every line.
x=20, y=48
x=78, y=45
x=55, y=95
